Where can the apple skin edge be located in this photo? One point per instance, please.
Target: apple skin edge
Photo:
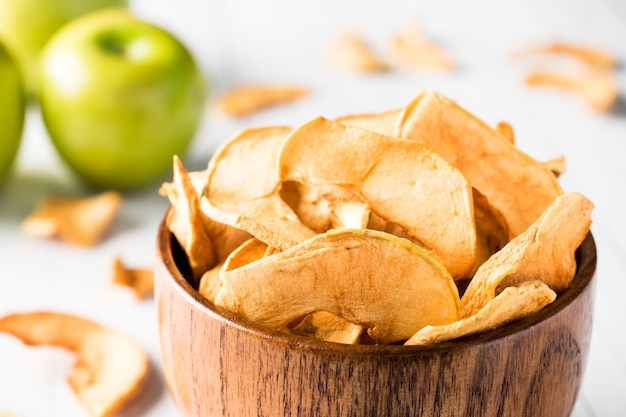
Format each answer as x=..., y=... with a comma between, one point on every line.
x=12, y=109
x=119, y=97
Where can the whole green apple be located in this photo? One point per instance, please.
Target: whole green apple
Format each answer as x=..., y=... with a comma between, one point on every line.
x=119, y=97
x=26, y=26
x=12, y=107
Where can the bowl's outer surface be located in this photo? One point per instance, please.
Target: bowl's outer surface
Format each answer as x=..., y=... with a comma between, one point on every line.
x=217, y=365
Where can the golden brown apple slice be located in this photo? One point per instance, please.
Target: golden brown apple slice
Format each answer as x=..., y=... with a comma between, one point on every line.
x=402, y=181
x=382, y=122
x=352, y=53
x=110, y=368
x=80, y=221
x=367, y=277
x=325, y=326
x=545, y=251
x=512, y=304
x=242, y=188
x=513, y=182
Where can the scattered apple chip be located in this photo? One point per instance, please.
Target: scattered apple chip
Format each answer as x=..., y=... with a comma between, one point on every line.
x=326, y=326
x=545, y=251
x=242, y=101
x=110, y=368
x=589, y=55
x=383, y=122
x=410, y=49
x=366, y=277
x=402, y=181
x=139, y=280
x=350, y=52
x=242, y=188
x=81, y=221
x=597, y=88
x=512, y=304
x=513, y=182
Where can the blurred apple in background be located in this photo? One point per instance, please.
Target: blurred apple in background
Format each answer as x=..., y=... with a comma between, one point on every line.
x=119, y=97
x=12, y=107
x=26, y=26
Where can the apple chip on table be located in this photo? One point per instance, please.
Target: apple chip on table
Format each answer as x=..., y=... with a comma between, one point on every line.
x=110, y=368
x=364, y=228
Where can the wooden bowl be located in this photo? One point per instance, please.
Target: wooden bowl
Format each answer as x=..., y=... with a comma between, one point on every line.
x=219, y=365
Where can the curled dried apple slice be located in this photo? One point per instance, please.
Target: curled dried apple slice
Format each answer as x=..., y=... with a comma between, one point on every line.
x=545, y=251
x=351, y=52
x=591, y=55
x=366, y=277
x=597, y=88
x=382, y=122
x=244, y=100
x=513, y=182
x=402, y=181
x=80, y=221
x=512, y=304
x=325, y=326
x=242, y=188
x=110, y=368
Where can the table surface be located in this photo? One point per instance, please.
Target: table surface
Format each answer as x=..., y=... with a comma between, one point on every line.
x=239, y=42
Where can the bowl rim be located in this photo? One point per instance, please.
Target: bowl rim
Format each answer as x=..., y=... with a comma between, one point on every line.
x=586, y=269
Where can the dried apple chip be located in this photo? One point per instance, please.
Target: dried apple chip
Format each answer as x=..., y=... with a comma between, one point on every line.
x=594, y=56
x=81, y=221
x=350, y=52
x=513, y=182
x=110, y=368
x=139, y=280
x=188, y=223
x=512, y=304
x=402, y=181
x=366, y=277
x=323, y=325
x=545, y=251
x=383, y=122
x=598, y=89
x=242, y=188
x=245, y=100
x=410, y=49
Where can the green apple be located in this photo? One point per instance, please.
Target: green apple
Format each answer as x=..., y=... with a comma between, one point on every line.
x=26, y=26
x=12, y=107
x=119, y=97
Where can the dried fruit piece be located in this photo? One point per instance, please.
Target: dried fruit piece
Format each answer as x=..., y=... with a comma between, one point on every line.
x=187, y=222
x=597, y=88
x=383, y=122
x=367, y=277
x=242, y=188
x=545, y=251
x=81, y=221
x=403, y=182
x=512, y=304
x=245, y=100
x=323, y=325
x=110, y=368
x=513, y=182
x=593, y=56
x=139, y=280
x=350, y=52
x=410, y=49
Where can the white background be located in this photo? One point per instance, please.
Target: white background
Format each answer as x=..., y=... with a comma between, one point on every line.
x=241, y=41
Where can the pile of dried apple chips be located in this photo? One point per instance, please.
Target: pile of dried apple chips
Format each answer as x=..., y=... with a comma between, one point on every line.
x=362, y=229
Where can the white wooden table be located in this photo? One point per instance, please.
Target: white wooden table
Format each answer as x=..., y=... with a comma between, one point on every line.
x=286, y=41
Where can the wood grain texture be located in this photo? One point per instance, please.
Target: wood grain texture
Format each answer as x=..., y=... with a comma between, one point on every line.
x=217, y=365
